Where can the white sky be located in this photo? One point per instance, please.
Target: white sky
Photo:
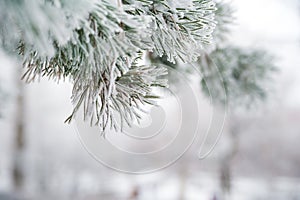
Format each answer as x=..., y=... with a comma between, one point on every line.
x=269, y=19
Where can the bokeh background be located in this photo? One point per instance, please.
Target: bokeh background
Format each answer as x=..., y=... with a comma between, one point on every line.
x=257, y=158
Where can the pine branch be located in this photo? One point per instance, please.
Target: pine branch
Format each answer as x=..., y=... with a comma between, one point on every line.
x=225, y=19
x=123, y=96
x=243, y=73
x=177, y=32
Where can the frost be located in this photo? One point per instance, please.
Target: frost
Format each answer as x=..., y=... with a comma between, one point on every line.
x=183, y=4
x=96, y=44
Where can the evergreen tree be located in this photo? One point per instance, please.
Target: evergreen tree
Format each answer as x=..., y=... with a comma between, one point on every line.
x=98, y=45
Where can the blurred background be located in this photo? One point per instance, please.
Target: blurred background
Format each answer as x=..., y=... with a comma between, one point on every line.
x=257, y=158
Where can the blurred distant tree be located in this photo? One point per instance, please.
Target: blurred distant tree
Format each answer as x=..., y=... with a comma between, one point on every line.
x=232, y=76
x=236, y=77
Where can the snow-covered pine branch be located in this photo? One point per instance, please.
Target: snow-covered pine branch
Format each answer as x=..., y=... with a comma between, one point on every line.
x=96, y=44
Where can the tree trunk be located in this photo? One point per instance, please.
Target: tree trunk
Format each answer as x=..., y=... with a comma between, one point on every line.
x=227, y=159
x=19, y=137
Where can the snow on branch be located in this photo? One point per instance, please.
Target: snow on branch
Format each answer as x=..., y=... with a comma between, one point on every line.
x=96, y=44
